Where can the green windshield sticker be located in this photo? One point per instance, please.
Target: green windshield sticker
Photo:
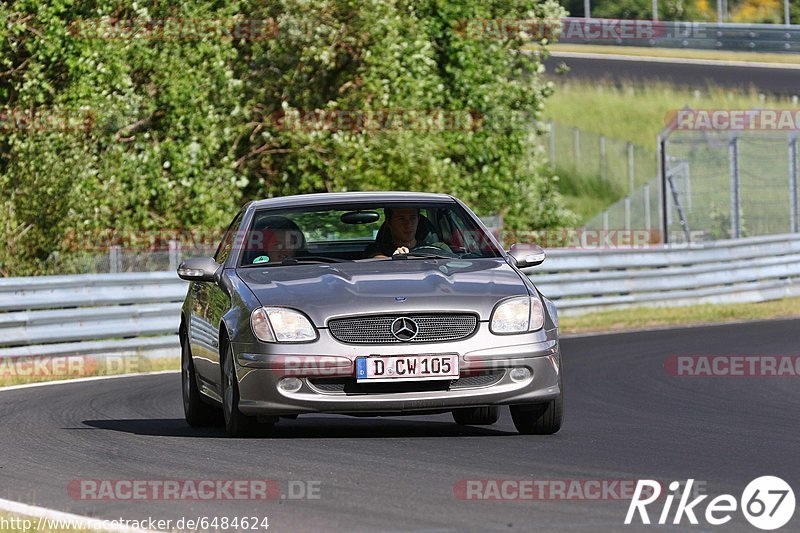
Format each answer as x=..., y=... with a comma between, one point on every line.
x=261, y=259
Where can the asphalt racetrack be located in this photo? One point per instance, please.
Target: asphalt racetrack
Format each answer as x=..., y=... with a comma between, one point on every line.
x=626, y=419
x=776, y=80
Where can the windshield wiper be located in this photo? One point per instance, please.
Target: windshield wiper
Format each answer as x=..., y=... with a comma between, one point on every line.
x=311, y=259
x=308, y=259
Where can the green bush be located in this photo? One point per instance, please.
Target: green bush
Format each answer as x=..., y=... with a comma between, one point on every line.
x=183, y=136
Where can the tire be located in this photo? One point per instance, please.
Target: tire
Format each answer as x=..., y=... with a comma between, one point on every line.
x=539, y=418
x=477, y=416
x=237, y=424
x=196, y=411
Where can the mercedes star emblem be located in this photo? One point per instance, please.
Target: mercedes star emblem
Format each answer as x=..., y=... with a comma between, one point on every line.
x=404, y=329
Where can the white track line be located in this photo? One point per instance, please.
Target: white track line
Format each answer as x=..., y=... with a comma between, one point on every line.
x=76, y=522
x=676, y=60
x=73, y=521
x=84, y=380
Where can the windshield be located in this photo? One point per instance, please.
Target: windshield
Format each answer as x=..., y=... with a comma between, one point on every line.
x=363, y=232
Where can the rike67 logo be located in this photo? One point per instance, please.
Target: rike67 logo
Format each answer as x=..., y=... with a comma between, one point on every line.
x=767, y=503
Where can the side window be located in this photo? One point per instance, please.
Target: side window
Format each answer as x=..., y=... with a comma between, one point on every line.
x=226, y=245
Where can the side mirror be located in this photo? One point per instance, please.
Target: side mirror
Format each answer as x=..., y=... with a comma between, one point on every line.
x=527, y=255
x=198, y=269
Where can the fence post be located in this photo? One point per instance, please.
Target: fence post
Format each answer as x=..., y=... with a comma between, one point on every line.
x=628, y=213
x=114, y=265
x=576, y=142
x=603, y=157
x=733, y=156
x=662, y=189
x=647, y=222
x=174, y=254
x=793, y=171
x=630, y=168
x=552, y=134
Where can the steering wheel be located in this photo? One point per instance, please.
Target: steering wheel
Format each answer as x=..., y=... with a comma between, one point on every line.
x=426, y=248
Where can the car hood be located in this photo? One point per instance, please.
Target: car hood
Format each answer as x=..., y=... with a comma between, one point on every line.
x=324, y=291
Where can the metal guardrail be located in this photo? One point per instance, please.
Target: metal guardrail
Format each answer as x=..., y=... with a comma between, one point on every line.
x=730, y=271
x=139, y=314
x=679, y=34
x=91, y=314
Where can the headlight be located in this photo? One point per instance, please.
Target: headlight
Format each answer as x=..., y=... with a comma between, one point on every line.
x=276, y=324
x=517, y=315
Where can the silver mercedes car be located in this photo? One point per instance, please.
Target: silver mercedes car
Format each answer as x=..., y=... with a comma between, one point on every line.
x=367, y=304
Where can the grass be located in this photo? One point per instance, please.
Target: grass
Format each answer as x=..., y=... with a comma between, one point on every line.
x=636, y=112
x=657, y=317
x=586, y=195
x=678, y=53
x=17, y=374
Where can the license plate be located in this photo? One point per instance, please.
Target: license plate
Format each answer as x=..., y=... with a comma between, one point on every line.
x=376, y=368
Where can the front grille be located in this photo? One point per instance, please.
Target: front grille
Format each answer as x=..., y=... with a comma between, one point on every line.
x=350, y=386
x=378, y=329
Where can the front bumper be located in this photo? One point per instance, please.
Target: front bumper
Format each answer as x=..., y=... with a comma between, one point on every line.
x=330, y=387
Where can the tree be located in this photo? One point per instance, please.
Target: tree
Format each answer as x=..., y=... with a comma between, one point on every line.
x=184, y=130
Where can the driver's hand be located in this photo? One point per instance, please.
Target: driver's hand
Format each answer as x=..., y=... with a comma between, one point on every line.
x=401, y=250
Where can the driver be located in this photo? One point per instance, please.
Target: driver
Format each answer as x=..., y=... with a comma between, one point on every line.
x=401, y=234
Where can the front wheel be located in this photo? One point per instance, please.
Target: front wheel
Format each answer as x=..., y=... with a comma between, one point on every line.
x=197, y=412
x=237, y=424
x=539, y=418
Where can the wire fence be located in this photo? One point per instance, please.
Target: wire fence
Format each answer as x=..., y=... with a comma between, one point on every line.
x=725, y=184
x=117, y=259
x=623, y=164
x=630, y=169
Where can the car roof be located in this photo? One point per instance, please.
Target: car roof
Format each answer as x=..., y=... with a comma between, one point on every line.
x=337, y=197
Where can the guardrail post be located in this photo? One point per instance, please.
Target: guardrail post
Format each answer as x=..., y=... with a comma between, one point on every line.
x=630, y=168
x=114, y=260
x=576, y=143
x=733, y=156
x=793, y=171
x=603, y=157
x=174, y=254
x=552, y=139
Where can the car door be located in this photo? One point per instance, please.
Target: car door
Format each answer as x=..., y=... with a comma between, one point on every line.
x=210, y=302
